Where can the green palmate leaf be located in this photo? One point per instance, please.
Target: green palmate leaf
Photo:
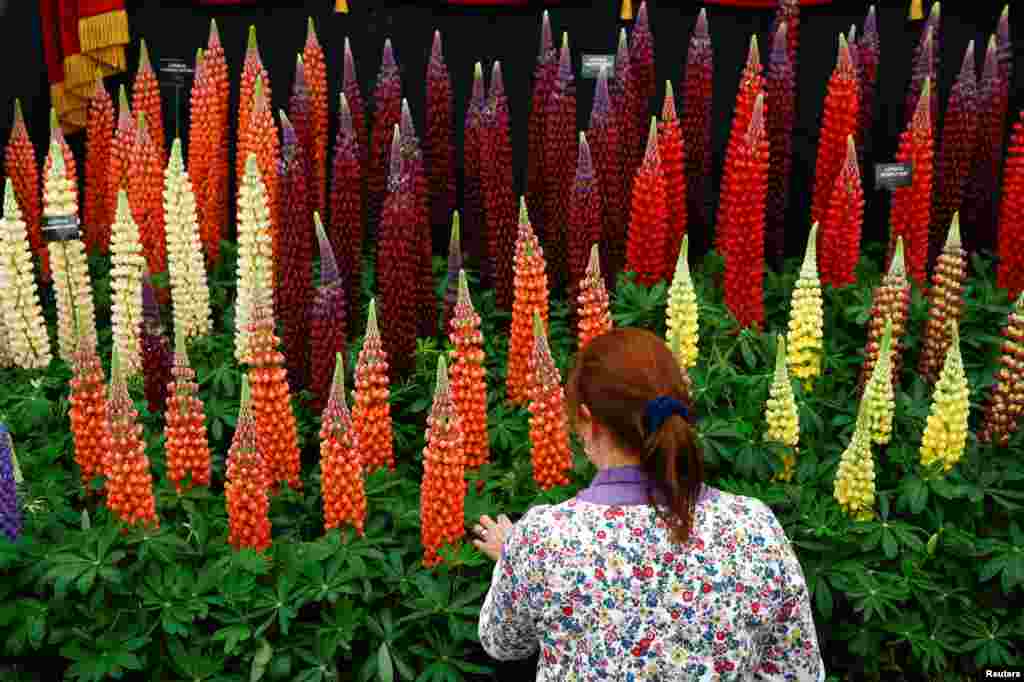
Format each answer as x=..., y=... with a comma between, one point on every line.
x=385, y=668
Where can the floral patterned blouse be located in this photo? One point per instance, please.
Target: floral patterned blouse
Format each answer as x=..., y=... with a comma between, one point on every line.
x=598, y=585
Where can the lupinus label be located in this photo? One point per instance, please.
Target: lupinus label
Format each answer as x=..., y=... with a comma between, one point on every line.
x=341, y=471
x=781, y=415
x=21, y=167
x=20, y=311
x=97, y=216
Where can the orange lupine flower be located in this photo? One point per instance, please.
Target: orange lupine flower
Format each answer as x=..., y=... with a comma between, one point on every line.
x=97, y=217
x=245, y=490
x=119, y=155
x=22, y=168
x=146, y=100
x=371, y=412
x=531, y=296
x=468, y=376
x=262, y=139
x=443, y=490
x=316, y=79
x=341, y=470
x=130, y=482
x=252, y=70
x=593, y=317
x=188, y=451
x=88, y=411
x=276, y=434
x=549, y=429
x=145, y=196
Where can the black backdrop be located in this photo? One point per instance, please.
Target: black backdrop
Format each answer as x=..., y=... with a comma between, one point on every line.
x=177, y=29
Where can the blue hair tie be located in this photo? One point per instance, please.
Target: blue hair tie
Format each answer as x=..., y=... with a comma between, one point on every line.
x=660, y=409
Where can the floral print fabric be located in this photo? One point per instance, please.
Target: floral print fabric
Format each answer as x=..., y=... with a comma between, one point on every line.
x=601, y=589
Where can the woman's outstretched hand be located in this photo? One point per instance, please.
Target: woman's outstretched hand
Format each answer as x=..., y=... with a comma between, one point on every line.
x=491, y=534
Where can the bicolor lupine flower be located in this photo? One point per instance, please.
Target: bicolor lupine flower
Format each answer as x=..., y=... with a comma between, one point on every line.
x=440, y=136
x=254, y=251
x=648, y=222
x=945, y=433
x=252, y=71
x=96, y=216
x=1010, y=271
x=262, y=140
x=890, y=301
x=473, y=207
x=468, y=376
x=188, y=450
x=806, y=319
x=549, y=429
x=127, y=265
x=348, y=199
x=910, y=214
x=371, y=411
x=879, y=396
x=781, y=415
x=316, y=79
x=353, y=95
x=697, y=126
x=120, y=154
x=455, y=264
x=21, y=313
x=945, y=303
x=682, y=313
x=592, y=317
x=839, y=121
x=531, y=296
x=21, y=166
x=839, y=246
x=925, y=66
x=854, y=487
x=1005, y=402
x=544, y=76
x=341, y=471
x=245, y=490
x=387, y=113
x=673, y=168
x=780, y=91
x=584, y=228
x=498, y=182
x=11, y=520
x=328, y=321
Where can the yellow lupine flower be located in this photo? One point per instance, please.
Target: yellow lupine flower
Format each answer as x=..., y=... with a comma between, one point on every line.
x=781, y=414
x=879, y=396
x=806, y=318
x=682, y=315
x=255, y=258
x=185, y=263
x=855, y=479
x=945, y=434
x=127, y=265
x=71, y=284
x=21, y=314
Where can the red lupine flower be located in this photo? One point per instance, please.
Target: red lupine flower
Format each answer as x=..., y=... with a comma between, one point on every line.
x=531, y=296
x=781, y=95
x=1010, y=273
x=911, y=206
x=328, y=321
x=252, y=70
x=88, y=411
x=593, y=318
x=925, y=66
x=97, y=217
x=742, y=224
x=157, y=356
x=751, y=85
x=145, y=196
x=316, y=79
x=468, y=375
x=956, y=152
x=371, y=411
x=212, y=185
x=129, y=481
x=697, y=127
x=559, y=139
x=276, y=434
x=868, y=55
x=443, y=490
x=347, y=203
x=398, y=264
x=261, y=139
x=341, y=471
x=499, y=201
x=544, y=76
x=648, y=221
x=473, y=197
x=120, y=155
x=584, y=217
x=350, y=88
x=440, y=136
x=245, y=491
x=455, y=263
x=387, y=113
x=146, y=100
x=603, y=138
x=838, y=122
x=641, y=57
x=413, y=164
x=673, y=169
x=840, y=229
x=549, y=431
x=188, y=451
x=21, y=166
x=295, y=267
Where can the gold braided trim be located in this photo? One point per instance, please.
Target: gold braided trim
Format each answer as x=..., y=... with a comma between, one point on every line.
x=103, y=30
x=71, y=111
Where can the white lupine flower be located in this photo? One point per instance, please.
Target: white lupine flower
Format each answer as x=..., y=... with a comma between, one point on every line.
x=255, y=258
x=127, y=265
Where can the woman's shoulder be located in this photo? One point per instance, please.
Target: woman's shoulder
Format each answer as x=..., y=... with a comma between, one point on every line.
x=720, y=510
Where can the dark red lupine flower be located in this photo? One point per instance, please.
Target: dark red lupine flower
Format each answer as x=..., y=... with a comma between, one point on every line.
x=780, y=92
x=648, y=222
x=499, y=201
x=387, y=113
x=673, y=168
x=157, y=355
x=603, y=137
x=1010, y=274
x=328, y=322
x=300, y=110
x=559, y=158
x=440, y=136
x=925, y=65
x=97, y=217
x=347, y=202
x=472, y=178
x=641, y=57
x=584, y=218
x=868, y=55
x=624, y=103
x=840, y=228
x=630, y=111
x=839, y=121
x=697, y=129
x=350, y=88
x=544, y=76
x=910, y=215
x=412, y=156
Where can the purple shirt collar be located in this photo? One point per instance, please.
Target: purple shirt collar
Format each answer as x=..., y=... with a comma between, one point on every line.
x=626, y=485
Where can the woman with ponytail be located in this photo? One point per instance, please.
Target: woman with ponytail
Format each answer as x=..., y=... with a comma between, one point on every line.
x=649, y=573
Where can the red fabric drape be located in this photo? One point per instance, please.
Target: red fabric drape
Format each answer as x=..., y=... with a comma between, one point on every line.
x=762, y=4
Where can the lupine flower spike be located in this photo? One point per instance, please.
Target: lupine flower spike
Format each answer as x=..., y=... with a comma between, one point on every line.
x=673, y=168
x=263, y=141
x=10, y=511
x=1010, y=271
x=145, y=189
x=474, y=136
x=21, y=167
x=806, y=319
x=468, y=376
x=440, y=136
x=328, y=321
x=781, y=415
x=341, y=471
x=839, y=121
x=88, y=409
x=544, y=76
x=254, y=251
x=387, y=98
x=549, y=433
x=854, y=487
x=190, y=294
x=316, y=79
x=592, y=318
x=188, y=450
x=839, y=246
x=371, y=411
x=413, y=166
x=559, y=139
x=348, y=198
x=780, y=85
x=157, y=354
x=353, y=95
x=641, y=56
x=146, y=99
x=20, y=310
x=603, y=137
x=130, y=481
x=252, y=71
x=299, y=115
x=127, y=265
x=945, y=303
x=945, y=433
x=925, y=66
x=245, y=490
x=531, y=287
x=1003, y=406
x=649, y=220
x=682, y=313
x=120, y=154
x=96, y=216
x=879, y=396
x=454, y=268
x=890, y=303
x=868, y=56
x=499, y=228
x=697, y=127
x=208, y=161
x=625, y=105
x=979, y=204
x=443, y=489
x=584, y=218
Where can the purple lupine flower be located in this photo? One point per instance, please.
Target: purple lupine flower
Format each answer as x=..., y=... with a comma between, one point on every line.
x=10, y=511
